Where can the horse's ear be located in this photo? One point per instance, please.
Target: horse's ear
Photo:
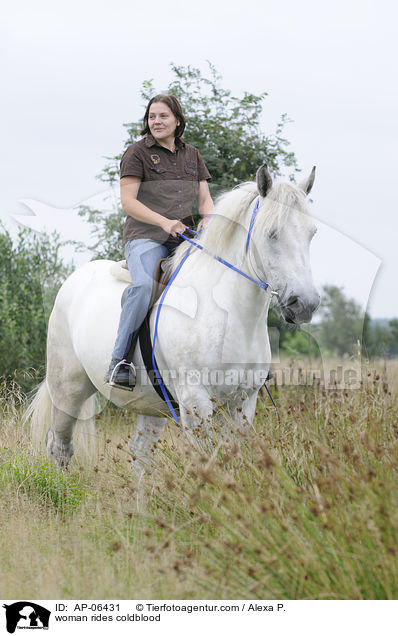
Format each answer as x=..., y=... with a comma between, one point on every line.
x=307, y=184
x=264, y=180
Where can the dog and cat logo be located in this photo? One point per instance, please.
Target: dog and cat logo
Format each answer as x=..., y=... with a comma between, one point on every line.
x=26, y=615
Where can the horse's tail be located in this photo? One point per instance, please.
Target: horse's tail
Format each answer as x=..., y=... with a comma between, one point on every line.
x=38, y=414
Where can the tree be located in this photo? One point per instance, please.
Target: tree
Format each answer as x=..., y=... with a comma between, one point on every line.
x=393, y=324
x=225, y=129
x=382, y=337
x=31, y=273
x=342, y=321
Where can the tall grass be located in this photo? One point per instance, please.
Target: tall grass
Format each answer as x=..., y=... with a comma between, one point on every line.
x=305, y=511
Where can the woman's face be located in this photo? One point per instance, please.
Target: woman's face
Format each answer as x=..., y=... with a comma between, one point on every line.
x=161, y=121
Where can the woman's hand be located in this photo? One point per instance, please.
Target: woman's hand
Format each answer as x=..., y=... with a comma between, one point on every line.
x=172, y=226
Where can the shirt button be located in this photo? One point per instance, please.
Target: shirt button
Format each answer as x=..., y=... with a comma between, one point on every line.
x=178, y=176
x=179, y=205
x=174, y=163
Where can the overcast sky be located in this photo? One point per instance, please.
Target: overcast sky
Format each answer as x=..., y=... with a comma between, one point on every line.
x=71, y=74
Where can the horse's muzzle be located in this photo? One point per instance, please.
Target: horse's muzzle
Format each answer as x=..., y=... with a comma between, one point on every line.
x=297, y=309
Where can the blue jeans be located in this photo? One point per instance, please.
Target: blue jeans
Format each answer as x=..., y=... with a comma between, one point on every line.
x=142, y=256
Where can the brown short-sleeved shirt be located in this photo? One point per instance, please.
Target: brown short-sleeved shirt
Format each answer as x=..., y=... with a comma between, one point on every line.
x=169, y=183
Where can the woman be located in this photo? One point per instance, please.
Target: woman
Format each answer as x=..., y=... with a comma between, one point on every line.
x=160, y=178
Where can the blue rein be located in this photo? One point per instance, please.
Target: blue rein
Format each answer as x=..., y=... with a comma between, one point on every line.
x=158, y=376
x=193, y=243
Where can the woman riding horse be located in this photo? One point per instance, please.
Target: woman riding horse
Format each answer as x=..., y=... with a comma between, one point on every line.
x=160, y=178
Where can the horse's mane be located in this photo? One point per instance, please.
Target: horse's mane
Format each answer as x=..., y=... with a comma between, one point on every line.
x=231, y=211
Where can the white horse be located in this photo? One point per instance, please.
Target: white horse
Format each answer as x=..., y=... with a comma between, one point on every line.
x=212, y=344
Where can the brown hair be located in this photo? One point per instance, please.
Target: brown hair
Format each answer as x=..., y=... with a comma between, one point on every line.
x=172, y=102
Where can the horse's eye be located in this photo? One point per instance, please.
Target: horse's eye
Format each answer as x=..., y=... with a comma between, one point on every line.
x=273, y=235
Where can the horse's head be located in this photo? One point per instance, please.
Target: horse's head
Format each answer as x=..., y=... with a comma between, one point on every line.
x=283, y=231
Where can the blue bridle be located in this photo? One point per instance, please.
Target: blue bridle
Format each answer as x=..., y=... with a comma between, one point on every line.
x=249, y=234
x=193, y=243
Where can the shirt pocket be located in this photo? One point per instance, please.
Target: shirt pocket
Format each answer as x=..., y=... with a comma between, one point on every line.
x=157, y=170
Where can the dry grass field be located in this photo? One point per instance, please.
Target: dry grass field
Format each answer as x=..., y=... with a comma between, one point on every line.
x=307, y=511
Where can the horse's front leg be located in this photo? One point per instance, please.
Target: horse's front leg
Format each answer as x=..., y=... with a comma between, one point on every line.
x=142, y=447
x=196, y=412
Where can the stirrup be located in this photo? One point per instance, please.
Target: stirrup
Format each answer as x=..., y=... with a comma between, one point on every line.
x=111, y=381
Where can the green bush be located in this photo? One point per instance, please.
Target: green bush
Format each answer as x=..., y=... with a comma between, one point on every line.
x=31, y=272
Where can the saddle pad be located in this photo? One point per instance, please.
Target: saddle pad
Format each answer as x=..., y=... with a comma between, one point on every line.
x=120, y=271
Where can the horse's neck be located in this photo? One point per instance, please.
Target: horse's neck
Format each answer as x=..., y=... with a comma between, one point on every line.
x=245, y=303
